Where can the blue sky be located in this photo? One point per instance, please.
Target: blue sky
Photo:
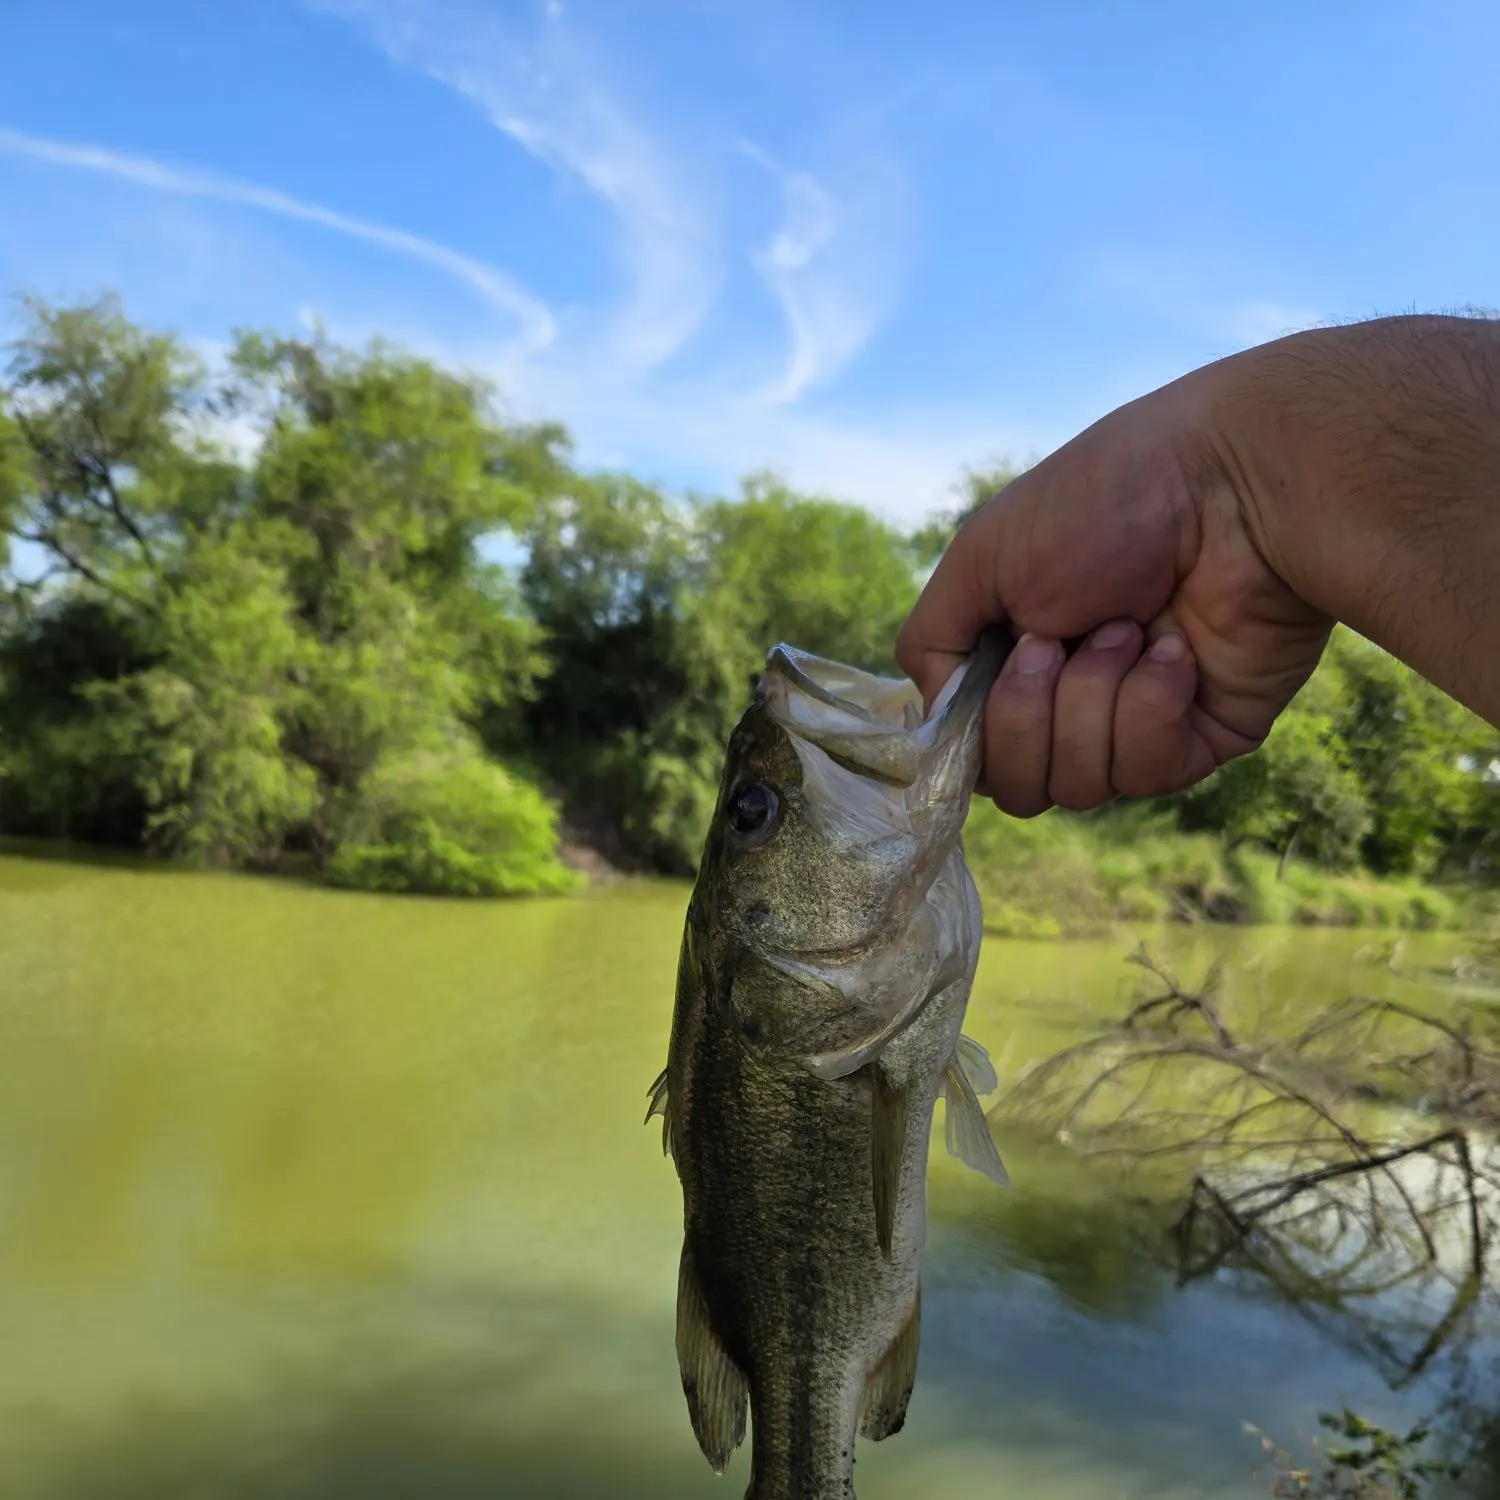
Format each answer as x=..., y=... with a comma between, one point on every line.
x=863, y=243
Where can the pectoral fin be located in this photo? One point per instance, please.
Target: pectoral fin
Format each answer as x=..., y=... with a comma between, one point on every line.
x=887, y=1148
x=882, y=1410
x=966, y=1130
x=978, y=1068
x=661, y=1104
x=717, y=1395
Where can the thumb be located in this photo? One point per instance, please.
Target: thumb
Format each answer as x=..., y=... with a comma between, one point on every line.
x=958, y=601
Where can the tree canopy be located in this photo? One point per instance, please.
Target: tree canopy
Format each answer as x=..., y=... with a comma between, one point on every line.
x=251, y=616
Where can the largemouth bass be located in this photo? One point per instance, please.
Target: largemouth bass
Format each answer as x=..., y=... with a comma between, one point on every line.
x=829, y=948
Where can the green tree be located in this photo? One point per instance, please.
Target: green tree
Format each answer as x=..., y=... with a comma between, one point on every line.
x=657, y=618
x=60, y=777
x=103, y=461
x=1415, y=751
x=1298, y=791
x=632, y=717
x=609, y=564
x=204, y=727
x=291, y=633
x=818, y=573
x=974, y=489
x=305, y=651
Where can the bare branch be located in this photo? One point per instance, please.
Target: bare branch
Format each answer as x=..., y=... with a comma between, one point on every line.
x=1285, y=1170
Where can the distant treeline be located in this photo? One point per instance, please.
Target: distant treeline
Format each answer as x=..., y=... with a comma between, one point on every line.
x=254, y=624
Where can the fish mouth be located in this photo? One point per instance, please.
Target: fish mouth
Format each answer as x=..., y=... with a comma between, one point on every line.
x=881, y=702
x=874, y=725
x=863, y=721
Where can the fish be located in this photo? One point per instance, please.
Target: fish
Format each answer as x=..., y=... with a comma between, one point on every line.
x=828, y=951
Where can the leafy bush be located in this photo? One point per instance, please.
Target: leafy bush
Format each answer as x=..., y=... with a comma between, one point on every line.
x=449, y=825
x=1066, y=874
x=204, y=730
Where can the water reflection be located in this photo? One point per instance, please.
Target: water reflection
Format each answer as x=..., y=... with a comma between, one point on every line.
x=468, y=1393
x=377, y=1415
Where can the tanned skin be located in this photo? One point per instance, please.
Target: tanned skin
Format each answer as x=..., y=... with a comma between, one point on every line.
x=1203, y=540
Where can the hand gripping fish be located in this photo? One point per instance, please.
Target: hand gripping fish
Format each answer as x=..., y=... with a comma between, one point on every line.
x=829, y=948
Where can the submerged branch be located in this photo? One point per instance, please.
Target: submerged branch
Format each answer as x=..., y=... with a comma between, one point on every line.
x=1336, y=1161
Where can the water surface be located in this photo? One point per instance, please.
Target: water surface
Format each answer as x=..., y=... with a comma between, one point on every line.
x=308, y=1195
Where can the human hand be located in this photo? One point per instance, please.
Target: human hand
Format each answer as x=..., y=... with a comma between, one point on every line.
x=1141, y=536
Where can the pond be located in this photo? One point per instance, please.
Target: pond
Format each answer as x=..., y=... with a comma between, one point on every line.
x=307, y=1194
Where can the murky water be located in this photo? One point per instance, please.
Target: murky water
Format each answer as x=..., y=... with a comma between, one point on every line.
x=306, y=1194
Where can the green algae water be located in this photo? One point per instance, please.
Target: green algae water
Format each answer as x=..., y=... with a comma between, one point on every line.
x=315, y=1196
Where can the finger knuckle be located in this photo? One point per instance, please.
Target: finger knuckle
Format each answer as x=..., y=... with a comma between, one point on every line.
x=1091, y=673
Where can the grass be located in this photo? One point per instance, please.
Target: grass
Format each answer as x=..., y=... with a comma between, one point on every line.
x=1069, y=875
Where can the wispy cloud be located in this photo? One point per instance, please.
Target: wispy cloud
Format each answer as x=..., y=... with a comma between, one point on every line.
x=1184, y=297
x=543, y=89
x=534, y=322
x=831, y=264
x=831, y=254
x=902, y=463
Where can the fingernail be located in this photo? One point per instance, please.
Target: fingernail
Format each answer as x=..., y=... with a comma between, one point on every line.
x=1034, y=655
x=1170, y=647
x=1116, y=633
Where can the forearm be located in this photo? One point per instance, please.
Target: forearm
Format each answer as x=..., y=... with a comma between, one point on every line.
x=1367, y=461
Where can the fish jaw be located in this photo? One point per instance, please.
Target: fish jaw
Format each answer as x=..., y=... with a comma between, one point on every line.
x=873, y=725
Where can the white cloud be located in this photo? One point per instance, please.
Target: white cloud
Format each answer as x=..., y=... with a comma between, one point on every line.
x=901, y=464
x=831, y=264
x=533, y=320
x=541, y=88
x=831, y=260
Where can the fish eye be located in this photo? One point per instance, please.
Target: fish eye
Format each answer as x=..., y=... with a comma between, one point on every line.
x=753, y=808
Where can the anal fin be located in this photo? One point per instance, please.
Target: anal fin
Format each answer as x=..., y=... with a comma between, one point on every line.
x=887, y=1149
x=965, y=1128
x=882, y=1409
x=716, y=1391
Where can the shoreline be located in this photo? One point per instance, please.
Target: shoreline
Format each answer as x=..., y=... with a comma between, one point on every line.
x=1057, y=891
